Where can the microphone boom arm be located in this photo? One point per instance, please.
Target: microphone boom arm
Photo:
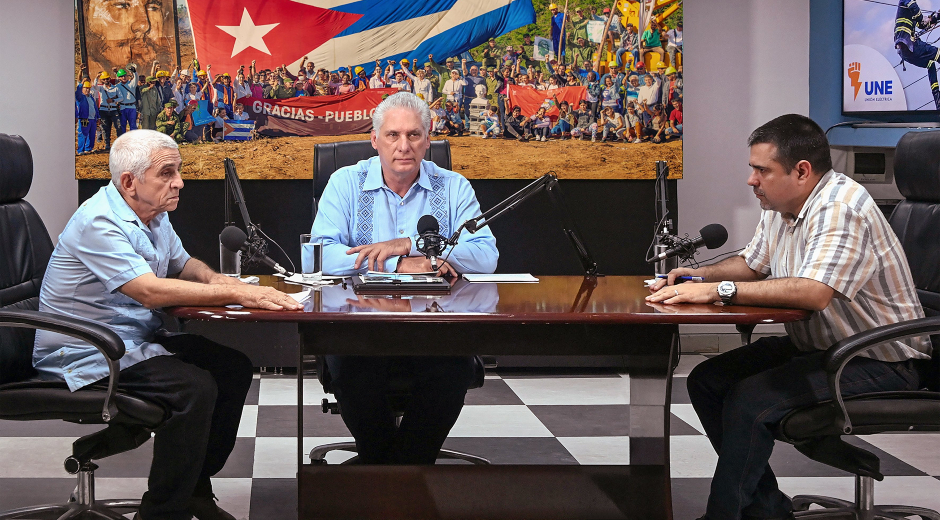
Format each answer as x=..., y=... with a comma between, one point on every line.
x=548, y=182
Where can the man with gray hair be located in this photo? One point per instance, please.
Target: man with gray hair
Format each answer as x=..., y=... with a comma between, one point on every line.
x=119, y=261
x=368, y=219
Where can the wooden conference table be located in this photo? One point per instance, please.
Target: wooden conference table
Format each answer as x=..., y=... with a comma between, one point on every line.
x=559, y=316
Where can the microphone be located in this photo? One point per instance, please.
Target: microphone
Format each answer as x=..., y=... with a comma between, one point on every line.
x=710, y=236
x=430, y=242
x=234, y=239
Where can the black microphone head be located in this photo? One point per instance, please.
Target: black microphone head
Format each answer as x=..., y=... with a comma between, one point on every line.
x=714, y=235
x=428, y=224
x=233, y=238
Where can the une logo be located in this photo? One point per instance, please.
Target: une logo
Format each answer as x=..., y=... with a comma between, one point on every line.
x=878, y=88
x=872, y=88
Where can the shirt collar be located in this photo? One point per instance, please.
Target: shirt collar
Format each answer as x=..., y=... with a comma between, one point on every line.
x=812, y=195
x=375, y=181
x=123, y=211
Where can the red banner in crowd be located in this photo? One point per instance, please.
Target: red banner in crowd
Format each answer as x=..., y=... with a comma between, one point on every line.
x=530, y=99
x=315, y=115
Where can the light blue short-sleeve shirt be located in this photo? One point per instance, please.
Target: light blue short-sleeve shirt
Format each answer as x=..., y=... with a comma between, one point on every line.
x=104, y=245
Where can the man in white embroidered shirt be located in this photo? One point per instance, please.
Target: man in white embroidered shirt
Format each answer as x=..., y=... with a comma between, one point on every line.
x=822, y=245
x=367, y=219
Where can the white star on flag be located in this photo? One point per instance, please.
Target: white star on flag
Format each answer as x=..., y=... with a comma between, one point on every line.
x=247, y=34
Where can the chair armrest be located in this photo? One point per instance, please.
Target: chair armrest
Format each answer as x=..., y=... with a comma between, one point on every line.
x=840, y=353
x=101, y=337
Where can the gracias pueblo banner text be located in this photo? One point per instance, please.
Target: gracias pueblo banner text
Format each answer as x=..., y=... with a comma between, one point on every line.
x=316, y=115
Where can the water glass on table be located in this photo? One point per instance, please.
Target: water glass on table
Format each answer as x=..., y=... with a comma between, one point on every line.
x=230, y=262
x=311, y=257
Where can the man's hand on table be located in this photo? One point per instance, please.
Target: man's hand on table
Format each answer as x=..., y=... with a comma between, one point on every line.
x=666, y=291
x=420, y=264
x=266, y=298
x=378, y=253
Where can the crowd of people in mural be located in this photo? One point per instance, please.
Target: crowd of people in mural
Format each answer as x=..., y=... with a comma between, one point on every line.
x=627, y=101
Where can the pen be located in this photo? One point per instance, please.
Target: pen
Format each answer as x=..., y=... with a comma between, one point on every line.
x=684, y=278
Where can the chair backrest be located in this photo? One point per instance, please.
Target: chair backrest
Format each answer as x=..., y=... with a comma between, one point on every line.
x=329, y=157
x=25, y=249
x=916, y=221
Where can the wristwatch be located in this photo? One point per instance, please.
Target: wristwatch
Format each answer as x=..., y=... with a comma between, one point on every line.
x=726, y=291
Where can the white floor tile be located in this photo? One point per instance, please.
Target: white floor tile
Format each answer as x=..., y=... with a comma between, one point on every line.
x=921, y=450
x=598, y=450
x=283, y=391
x=115, y=488
x=687, y=414
x=498, y=421
x=573, y=390
x=909, y=491
x=836, y=487
x=492, y=376
x=249, y=423
x=686, y=363
x=34, y=457
x=275, y=457
x=234, y=495
x=691, y=456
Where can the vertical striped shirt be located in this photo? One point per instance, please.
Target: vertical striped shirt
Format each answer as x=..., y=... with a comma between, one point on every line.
x=841, y=239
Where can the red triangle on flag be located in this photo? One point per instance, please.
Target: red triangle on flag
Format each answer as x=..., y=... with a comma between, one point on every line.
x=273, y=32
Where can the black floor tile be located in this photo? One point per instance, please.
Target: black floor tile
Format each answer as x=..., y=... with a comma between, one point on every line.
x=253, y=390
x=281, y=421
x=241, y=463
x=493, y=391
x=513, y=450
x=679, y=427
x=16, y=493
x=585, y=420
x=680, y=393
x=46, y=429
x=689, y=497
x=273, y=498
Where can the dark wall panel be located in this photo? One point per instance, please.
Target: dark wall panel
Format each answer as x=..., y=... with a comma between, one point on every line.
x=614, y=217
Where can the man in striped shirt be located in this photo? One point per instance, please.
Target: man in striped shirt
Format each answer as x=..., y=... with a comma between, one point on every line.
x=822, y=245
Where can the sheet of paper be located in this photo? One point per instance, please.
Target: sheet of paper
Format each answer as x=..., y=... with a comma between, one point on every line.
x=297, y=278
x=501, y=278
x=302, y=296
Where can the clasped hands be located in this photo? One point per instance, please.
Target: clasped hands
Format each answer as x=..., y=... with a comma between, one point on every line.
x=665, y=291
x=375, y=255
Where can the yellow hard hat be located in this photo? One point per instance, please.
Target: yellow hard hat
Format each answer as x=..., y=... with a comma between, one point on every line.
x=405, y=61
x=670, y=70
x=105, y=75
x=359, y=69
x=86, y=84
x=552, y=6
x=201, y=73
x=162, y=74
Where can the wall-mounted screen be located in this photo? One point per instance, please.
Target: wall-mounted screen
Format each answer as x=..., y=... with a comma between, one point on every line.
x=889, y=56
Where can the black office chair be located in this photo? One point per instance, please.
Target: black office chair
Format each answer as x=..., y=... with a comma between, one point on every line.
x=817, y=431
x=327, y=158
x=25, y=249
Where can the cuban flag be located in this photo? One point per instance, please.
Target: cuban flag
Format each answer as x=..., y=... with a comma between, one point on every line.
x=339, y=33
x=237, y=130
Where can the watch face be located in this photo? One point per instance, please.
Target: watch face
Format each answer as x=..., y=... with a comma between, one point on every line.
x=726, y=289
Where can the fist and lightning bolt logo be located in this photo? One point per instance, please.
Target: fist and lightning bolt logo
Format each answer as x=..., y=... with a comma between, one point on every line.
x=855, y=71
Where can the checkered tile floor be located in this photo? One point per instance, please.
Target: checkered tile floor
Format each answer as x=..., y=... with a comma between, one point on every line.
x=515, y=418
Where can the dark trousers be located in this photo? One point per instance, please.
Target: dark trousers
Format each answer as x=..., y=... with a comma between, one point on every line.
x=109, y=119
x=361, y=386
x=740, y=396
x=203, y=388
